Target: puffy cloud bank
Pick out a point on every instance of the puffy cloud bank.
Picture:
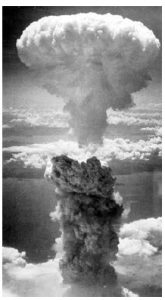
(21, 278)
(142, 237)
(36, 155)
(139, 263)
(92, 61)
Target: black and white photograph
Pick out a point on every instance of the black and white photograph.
(81, 151)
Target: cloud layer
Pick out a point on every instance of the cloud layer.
(36, 155)
(35, 118)
(49, 118)
(133, 117)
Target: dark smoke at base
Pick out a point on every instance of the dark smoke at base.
(88, 215)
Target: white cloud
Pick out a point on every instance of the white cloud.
(157, 131)
(58, 119)
(126, 211)
(142, 237)
(139, 261)
(49, 118)
(118, 198)
(134, 117)
(34, 160)
(6, 126)
(121, 149)
(35, 155)
(27, 279)
(12, 255)
(128, 293)
(136, 246)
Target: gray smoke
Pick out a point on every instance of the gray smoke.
(88, 214)
(92, 61)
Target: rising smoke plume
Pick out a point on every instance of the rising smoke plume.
(92, 61)
(88, 213)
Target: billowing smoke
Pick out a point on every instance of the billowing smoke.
(88, 211)
(92, 61)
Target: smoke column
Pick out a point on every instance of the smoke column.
(87, 212)
(92, 61)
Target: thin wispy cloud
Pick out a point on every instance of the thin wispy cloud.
(36, 118)
(129, 118)
(50, 118)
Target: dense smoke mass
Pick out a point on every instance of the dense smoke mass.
(92, 61)
(88, 214)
